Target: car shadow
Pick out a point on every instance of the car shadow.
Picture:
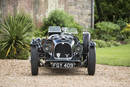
(59, 72)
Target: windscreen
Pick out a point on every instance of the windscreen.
(70, 30)
(54, 29)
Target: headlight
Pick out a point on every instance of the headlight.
(78, 49)
(47, 49)
(48, 46)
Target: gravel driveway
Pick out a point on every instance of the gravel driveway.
(16, 73)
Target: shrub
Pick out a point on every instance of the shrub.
(114, 43)
(121, 23)
(127, 41)
(105, 31)
(126, 31)
(15, 36)
(38, 33)
(108, 44)
(58, 18)
(62, 19)
(102, 44)
(107, 26)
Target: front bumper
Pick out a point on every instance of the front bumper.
(60, 60)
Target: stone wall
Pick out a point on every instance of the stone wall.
(38, 9)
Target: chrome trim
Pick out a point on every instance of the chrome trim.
(69, 58)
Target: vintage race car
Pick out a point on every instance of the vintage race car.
(61, 49)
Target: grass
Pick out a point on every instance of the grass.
(117, 56)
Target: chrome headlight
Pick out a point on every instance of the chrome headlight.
(78, 49)
(48, 46)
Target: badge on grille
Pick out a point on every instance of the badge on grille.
(58, 55)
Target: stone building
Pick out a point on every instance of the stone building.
(82, 10)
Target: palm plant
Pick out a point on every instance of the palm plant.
(15, 33)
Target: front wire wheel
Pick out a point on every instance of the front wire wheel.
(34, 61)
(91, 61)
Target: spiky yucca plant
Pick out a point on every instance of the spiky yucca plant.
(15, 32)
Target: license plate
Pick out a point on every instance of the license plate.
(63, 65)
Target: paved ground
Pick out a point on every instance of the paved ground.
(16, 73)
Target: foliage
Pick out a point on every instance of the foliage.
(107, 26)
(127, 41)
(126, 31)
(105, 31)
(100, 43)
(62, 19)
(121, 23)
(103, 44)
(116, 56)
(107, 10)
(38, 33)
(15, 35)
(114, 43)
(58, 18)
(21, 54)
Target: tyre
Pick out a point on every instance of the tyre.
(91, 61)
(86, 41)
(34, 61)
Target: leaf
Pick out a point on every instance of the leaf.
(8, 51)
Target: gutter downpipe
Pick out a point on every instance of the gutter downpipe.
(92, 14)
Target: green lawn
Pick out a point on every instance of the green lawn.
(119, 56)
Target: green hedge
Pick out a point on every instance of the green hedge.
(103, 44)
(105, 31)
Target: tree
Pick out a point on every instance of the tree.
(112, 10)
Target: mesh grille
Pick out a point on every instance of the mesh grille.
(64, 50)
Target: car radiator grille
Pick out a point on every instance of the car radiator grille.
(63, 51)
